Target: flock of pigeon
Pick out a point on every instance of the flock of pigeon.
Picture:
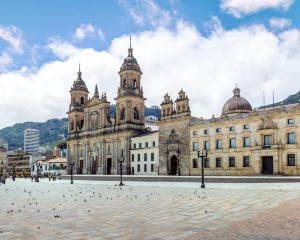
(43, 199)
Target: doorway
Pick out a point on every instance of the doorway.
(267, 165)
(94, 166)
(174, 165)
(80, 167)
(108, 166)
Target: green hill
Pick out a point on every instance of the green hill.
(51, 131)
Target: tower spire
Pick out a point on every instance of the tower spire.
(130, 48)
(79, 72)
(96, 94)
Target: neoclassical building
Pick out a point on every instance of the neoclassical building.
(242, 141)
(95, 141)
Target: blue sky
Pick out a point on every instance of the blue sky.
(41, 20)
(219, 43)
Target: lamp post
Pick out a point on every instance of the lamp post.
(14, 172)
(202, 154)
(121, 160)
(72, 164)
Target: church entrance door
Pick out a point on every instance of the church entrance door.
(94, 166)
(108, 166)
(174, 165)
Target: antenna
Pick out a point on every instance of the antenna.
(264, 102)
(273, 101)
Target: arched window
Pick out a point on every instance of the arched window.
(81, 123)
(124, 83)
(178, 108)
(136, 113)
(122, 117)
(134, 83)
(82, 100)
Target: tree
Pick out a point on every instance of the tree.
(62, 145)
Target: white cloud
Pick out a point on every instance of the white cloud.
(148, 11)
(206, 67)
(62, 49)
(13, 36)
(279, 23)
(239, 8)
(87, 30)
(5, 61)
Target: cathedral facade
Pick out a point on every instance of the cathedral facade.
(96, 142)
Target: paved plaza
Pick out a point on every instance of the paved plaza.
(148, 210)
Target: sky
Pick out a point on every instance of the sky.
(204, 47)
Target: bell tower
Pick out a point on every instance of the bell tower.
(130, 101)
(79, 97)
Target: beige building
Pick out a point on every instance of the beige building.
(242, 141)
(3, 161)
(95, 141)
(145, 154)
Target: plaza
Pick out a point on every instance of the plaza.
(148, 210)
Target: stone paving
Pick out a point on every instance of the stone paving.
(100, 210)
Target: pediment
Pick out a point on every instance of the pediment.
(92, 102)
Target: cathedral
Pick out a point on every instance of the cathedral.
(96, 142)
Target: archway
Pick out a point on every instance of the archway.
(174, 164)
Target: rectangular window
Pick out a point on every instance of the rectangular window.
(195, 133)
(195, 146)
(205, 131)
(291, 138)
(195, 163)
(246, 127)
(231, 129)
(231, 162)
(246, 142)
(291, 160)
(140, 145)
(153, 144)
(218, 130)
(146, 144)
(290, 121)
(152, 167)
(206, 145)
(232, 143)
(267, 141)
(152, 156)
(134, 145)
(145, 156)
(145, 167)
(218, 162)
(138, 168)
(132, 157)
(218, 144)
(139, 157)
(246, 161)
(206, 162)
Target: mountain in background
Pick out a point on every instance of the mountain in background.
(51, 131)
(290, 100)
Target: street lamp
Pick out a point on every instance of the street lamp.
(72, 164)
(203, 155)
(14, 172)
(121, 160)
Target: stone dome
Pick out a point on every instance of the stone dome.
(79, 84)
(236, 104)
(130, 62)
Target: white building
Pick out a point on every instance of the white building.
(144, 154)
(31, 140)
(58, 166)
